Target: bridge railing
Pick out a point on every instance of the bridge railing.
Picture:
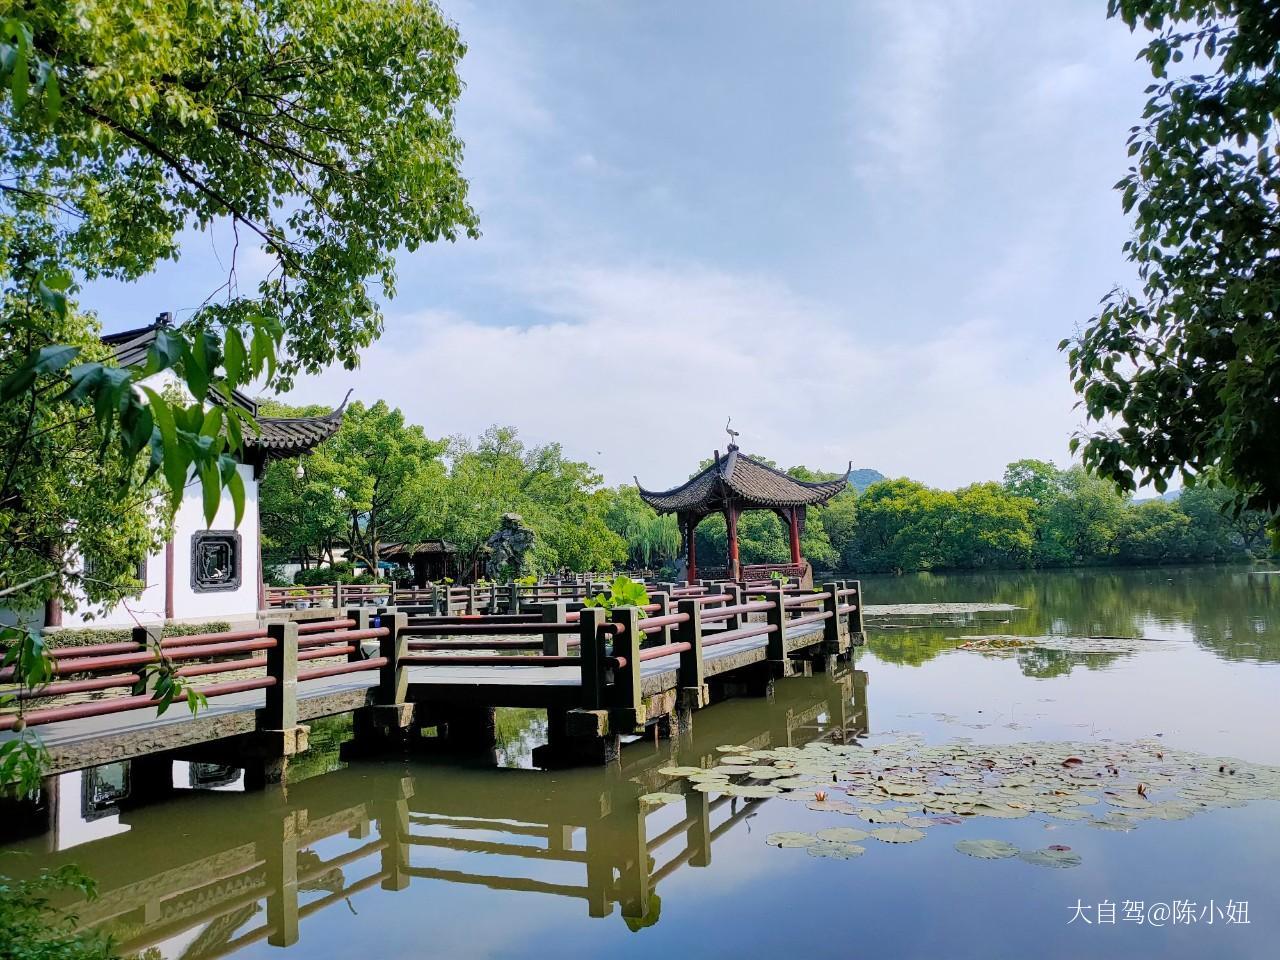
(272, 658)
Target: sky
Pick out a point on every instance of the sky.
(857, 227)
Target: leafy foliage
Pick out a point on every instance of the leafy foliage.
(32, 929)
(1189, 367)
(623, 592)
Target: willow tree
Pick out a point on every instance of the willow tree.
(1182, 376)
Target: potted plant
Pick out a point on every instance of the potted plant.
(299, 599)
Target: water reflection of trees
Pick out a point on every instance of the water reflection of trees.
(1229, 611)
(254, 867)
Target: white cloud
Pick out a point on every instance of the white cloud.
(636, 368)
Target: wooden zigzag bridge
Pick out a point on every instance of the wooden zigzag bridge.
(411, 673)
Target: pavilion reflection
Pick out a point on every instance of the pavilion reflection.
(207, 873)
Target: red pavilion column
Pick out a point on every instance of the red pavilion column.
(692, 548)
(731, 519)
(795, 537)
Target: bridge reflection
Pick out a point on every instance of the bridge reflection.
(207, 873)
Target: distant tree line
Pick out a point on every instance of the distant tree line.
(381, 480)
(1037, 516)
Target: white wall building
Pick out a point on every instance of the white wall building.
(204, 572)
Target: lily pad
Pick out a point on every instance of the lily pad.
(1058, 859)
(836, 851)
(987, 849)
(842, 834)
(657, 799)
(898, 834)
(791, 838)
(680, 771)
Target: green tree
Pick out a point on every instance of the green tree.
(988, 527)
(1081, 524)
(323, 129)
(652, 539)
(1189, 366)
(1152, 532)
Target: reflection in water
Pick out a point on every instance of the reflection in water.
(1225, 610)
(207, 873)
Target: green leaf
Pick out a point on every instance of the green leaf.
(20, 78)
(211, 489)
(235, 357)
(52, 97)
(48, 359)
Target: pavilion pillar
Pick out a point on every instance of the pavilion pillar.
(692, 551)
(731, 520)
(795, 536)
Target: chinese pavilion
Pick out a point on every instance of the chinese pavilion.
(732, 484)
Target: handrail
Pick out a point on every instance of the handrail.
(726, 613)
(99, 708)
(743, 633)
(811, 618)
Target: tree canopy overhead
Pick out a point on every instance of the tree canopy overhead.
(1190, 364)
(322, 130)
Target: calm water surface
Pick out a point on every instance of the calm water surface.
(432, 857)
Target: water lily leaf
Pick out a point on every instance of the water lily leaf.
(739, 761)
(836, 851)
(898, 834)
(832, 806)
(680, 771)
(882, 816)
(791, 839)
(842, 834)
(987, 849)
(657, 799)
(1059, 859)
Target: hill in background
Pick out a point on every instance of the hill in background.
(864, 477)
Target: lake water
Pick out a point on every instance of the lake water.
(436, 857)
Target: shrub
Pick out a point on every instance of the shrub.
(90, 636)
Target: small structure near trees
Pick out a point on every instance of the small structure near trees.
(735, 483)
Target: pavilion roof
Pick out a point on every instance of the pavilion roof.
(736, 477)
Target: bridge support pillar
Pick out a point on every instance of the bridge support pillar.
(265, 757)
(282, 873)
(577, 738)
(150, 779)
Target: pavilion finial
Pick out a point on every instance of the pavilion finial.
(733, 434)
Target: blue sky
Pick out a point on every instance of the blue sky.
(860, 228)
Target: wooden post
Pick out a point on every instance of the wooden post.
(393, 678)
(692, 552)
(857, 627)
(777, 650)
(591, 652)
(795, 537)
(471, 598)
(281, 710)
(493, 598)
(664, 607)
(734, 591)
(693, 681)
(731, 522)
(627, 677)
(555, 644)
(831, 631)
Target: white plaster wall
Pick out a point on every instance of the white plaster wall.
(189, 605)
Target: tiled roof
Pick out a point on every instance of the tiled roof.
(130, 349)
(735, 476)
(279, 437)
(283, 437)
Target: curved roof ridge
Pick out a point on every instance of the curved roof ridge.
(755, 484)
